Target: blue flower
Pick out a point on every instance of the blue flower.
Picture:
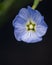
(29, 26)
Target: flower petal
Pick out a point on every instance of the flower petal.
(41, 30)
(19, 32)
(23, 13)
(18, 21)
(30, 37)
(35, 15)
(43, 23)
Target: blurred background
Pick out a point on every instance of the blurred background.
(19, 53)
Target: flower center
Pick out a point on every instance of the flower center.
(31, 26)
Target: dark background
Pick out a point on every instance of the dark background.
(19, 53)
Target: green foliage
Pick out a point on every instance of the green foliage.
(10, 7)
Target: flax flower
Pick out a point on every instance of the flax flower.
(29, 25)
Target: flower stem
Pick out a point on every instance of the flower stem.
(35, 4)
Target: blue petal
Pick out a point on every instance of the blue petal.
(35, 15)
(30, 37)
(43, 23)
(41, 30)
(18, 21)
(18, 33)
(23, 13)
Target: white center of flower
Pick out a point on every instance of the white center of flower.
(31, 26)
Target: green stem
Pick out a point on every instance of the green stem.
(35, 4)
